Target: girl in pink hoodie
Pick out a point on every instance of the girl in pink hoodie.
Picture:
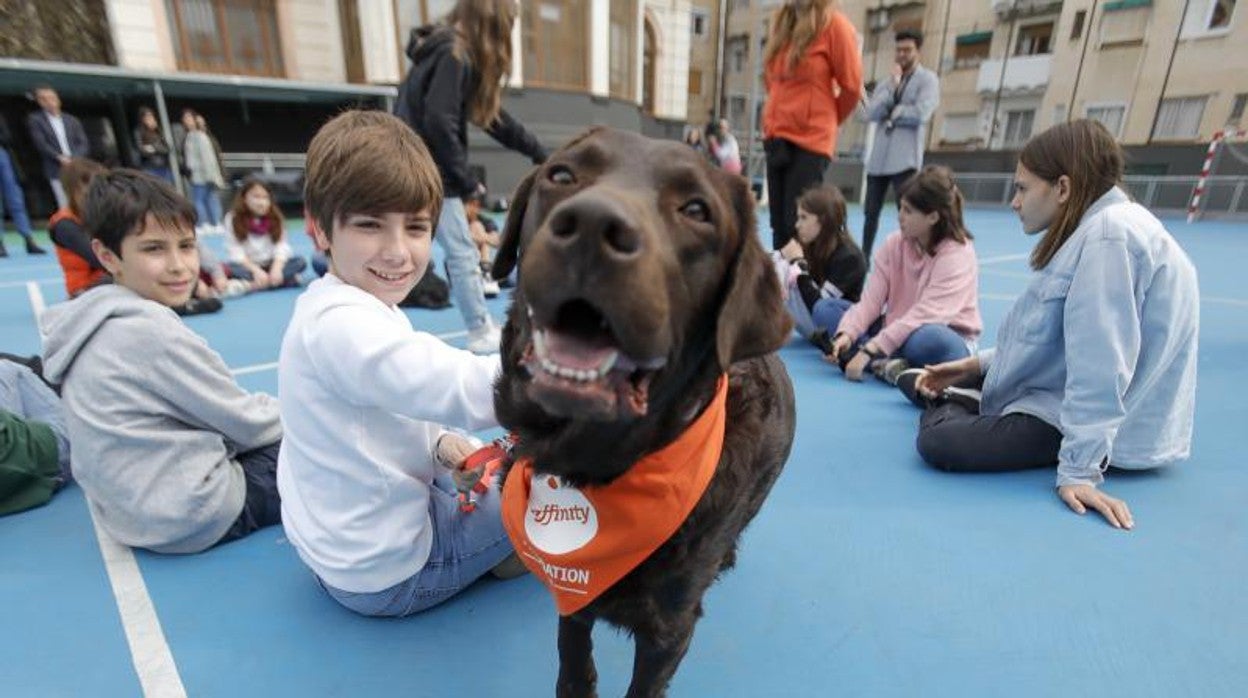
(921, 302)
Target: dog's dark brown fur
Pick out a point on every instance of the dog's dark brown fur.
(663, 248)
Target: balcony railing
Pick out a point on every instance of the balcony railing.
(1022, 74)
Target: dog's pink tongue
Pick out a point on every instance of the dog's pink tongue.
(574, 352)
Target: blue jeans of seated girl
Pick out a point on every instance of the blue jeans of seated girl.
(290, 272)
(466, 545)
(927, 345)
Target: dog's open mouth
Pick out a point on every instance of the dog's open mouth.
(580, 371)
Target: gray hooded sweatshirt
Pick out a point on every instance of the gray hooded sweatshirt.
(155, 419)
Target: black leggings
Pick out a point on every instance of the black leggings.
(954, 439)
(790, 172)
(877, 188)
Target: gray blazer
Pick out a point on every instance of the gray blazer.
(900, 147)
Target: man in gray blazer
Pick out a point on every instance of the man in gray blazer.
(900, 107)
(58, 137)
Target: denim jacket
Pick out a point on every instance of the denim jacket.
(1102, 345)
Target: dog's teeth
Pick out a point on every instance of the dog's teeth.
(539, 344)
(608, 363)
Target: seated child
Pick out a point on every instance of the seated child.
(34, 447)
(365, 467)
(73, 246)
(172, 454)
(255, 240)
(821, 266)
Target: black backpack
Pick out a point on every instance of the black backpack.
(431, 292)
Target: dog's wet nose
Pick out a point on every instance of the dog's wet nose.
(596, 221)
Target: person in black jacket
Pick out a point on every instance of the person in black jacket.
(152, 146)
(457, 71)
(58, 136)
(821, 264)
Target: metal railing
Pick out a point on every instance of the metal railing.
(1225, 195)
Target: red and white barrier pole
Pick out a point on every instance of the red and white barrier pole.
(1193, 209)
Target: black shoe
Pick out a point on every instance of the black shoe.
(907, 383)
(968, 398)
(32, 248)
(199, 306)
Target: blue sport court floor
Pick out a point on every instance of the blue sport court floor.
(866, 574)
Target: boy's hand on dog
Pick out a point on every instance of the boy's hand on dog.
(452, 451)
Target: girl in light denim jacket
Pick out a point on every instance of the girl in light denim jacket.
(1096, 363)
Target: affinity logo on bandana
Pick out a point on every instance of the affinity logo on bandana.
(559, 519)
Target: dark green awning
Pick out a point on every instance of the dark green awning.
(974, 38)
(1126, 4)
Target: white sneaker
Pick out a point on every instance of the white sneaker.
(485, 339)
(490, 286)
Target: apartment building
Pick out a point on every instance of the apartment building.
(1158, 73)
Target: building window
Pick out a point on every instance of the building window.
(226, 36)
(970, 50)
(698, 23)
(1124, 27)
(1220, 15)
(1076, 29)
(1237, 109)
(738, 50)
(1034, 39)
(695, 83)
(1110, 116)
(623, 48)
(960, 128)
(555, 49)
(1179, 118)
(1018, 126)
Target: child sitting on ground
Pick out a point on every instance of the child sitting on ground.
(34, 447)
(255, 240)
(73, 246)
(365, 468)
(172, 454)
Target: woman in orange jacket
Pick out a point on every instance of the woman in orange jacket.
(814, 81)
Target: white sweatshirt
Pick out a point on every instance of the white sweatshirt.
(363, 397)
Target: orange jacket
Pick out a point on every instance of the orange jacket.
(807, 105)
(79, 276)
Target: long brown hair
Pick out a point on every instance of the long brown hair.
(794, 26)
(483, 40)
(934, 189)
(1084, 151)
(827, 205)
(242, 213)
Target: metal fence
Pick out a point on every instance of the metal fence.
(1226, 196)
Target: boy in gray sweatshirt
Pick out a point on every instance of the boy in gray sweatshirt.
(172, 454)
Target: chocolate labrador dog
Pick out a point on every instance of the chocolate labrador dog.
(641, 284)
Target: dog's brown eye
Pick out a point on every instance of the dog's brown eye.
(696, 210)
(561, 175)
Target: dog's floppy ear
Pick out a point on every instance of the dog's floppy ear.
(509, 250)
(752, 320)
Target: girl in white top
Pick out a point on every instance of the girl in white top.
(255, 240)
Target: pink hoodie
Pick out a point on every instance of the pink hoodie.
(912, 288)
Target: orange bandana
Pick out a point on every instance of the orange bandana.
(580, 542)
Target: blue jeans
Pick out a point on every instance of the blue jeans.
(162, 172)
(462, 263)
(465, 547)
(207, 203)
(11, 196)
(290, 271)
(262, 505)
(927, 345)
(22, 393)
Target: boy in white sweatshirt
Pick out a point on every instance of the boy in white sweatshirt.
(364, 470)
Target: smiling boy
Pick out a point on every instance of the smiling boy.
(364, 397)
(172, 454)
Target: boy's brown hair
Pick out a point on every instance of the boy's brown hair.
(368, 162)
(119, 201)
(76, 176)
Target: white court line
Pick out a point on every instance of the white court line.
(260, 368)
(153, 661)
(26, 282)
(1003, 258)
